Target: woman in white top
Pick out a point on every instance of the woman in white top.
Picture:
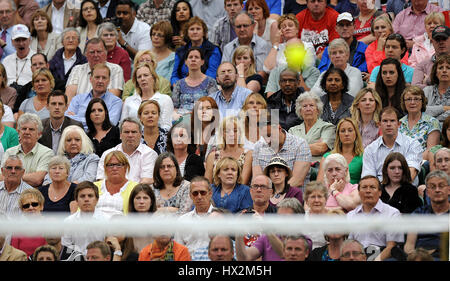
(265, 26)
(146, 84)
(249, 115)
(43, 40)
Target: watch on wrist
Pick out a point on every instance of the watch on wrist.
(118, 253)
(241, 76)
(125, 45)
(276, 47)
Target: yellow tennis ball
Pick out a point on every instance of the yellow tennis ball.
(295, 56)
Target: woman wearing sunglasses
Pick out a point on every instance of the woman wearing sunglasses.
(31, 203)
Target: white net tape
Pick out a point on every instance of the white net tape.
(133, 225)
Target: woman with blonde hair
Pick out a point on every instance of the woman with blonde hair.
(253, 106)
(146, 56)
(228, 191)
(365, 111)
(145, 81)
(230, 143)
(348, 143)
(244, 60)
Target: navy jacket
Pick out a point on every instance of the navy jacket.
(286, 119)
(57, 64)
(357, 57)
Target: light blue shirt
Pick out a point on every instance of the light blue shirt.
(234, 105)
(103, 10)
(408, 72)
(80, 102)
(376, 152)
(9, 48)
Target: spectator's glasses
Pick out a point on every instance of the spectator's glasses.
(33, 204)
(112, 165)
(243, 26)
(410, 100)
(10, 168)
(256, 186)
(201, 192)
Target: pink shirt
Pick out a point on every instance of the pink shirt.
(348, 188)
(410, 25)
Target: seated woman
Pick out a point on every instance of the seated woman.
(279, 173)
(89, 20)
(395, 48)
(437, 94)
(78, 148)
(59, 194)
(145, 81)
(253, 105)
(180, 15)
(161, 36)
(146, 56)
(339, 53)
(365, 110)
(204, 123)
(343, 195)
(171, 190)
(337, 100)
(315, 198)
(319, 134)
(31, 203)
(390, 84)
(153, 135)
(244, 60)
(195, 85)
(115, 189)
(101, 132)
(416, 123)
(43, 40)
(230, 143)
(9, 136)
(380, 28)
(265, 27)
(349, 144)
(179, 142)
(8, 95)
(397, 188)
(228, 192)
(423, 48)
(107, 31)
(196, 35)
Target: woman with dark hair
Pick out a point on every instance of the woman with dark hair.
(195, 85)
(395, 48)
(8, 94)
(266, 27)
(102, 133)
(43, 40)
(279, 173)
(90, 19)
(203, 124)
(396, 186)
(161, 36)
(390, 83)
(179, 142)
(438, 93)
(123, 244)
(337, 101)
(181, 13)
(196, 35)
(171, 190)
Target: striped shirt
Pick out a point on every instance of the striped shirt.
(9, 201)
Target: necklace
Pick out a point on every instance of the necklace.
(56, 196)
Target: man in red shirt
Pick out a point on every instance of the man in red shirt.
(317, 25)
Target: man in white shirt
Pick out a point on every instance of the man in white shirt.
(18, 64)
(200, 193)
(134, 34)
(86, 196)
(63, 14)
(141, 157)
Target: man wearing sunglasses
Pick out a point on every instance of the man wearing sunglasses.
(12, 185)
(200, 192)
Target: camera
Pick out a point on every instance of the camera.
(114, 20)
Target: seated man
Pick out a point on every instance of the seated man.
(352, 250)
(437, 189)
(377, 244)
(221, 248)
(223, 30)
(295, 248)
(278, 142)
(98, 251)
(261, 191)
(284, 99)
(35, 155)
(99, 79)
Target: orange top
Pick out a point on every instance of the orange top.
(181, 253)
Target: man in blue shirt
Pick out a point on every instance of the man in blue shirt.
(231, 98)
(100, 80)
(7, 12)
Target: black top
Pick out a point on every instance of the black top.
(161, 141)
(194, 167)
(258, 78)
(292, 7)
(405, 198)
(111, 139)
(59, 206)
(287, 116)
(320, 254)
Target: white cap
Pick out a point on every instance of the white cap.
(20, 31)
(345, 16)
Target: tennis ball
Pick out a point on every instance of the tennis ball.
(295, 56)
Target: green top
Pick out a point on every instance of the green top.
(354, 168)
(9, 138)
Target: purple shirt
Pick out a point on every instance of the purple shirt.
(411, 25)
(374, 237)
(265, 249)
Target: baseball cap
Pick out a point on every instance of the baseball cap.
(20, 31)
(441, 30)
(344, 16)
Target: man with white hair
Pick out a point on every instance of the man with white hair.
(35, 155)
